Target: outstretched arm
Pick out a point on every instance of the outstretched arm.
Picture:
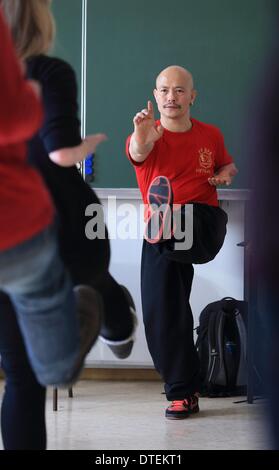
(71, 155)
(146, 133)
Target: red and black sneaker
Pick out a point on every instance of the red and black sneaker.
(181, 409)
(159, 198)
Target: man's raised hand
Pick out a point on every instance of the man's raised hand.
(145, 129)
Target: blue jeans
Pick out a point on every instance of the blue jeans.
(33, 275)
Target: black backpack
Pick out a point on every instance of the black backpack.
(222, 347)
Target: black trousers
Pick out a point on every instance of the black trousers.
(23, 406)
(166, 282)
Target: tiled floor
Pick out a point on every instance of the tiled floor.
(130, 415)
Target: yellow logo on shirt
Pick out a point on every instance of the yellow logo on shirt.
(205, 158)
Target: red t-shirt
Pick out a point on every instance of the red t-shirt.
(188, 159)
(25, 205)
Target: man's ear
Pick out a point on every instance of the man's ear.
(155, 91)
(194, 95)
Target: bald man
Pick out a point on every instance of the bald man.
(179, 162)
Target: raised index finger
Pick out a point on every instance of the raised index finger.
(150, 108)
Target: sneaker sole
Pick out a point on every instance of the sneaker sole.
(177, 417)
(159, 195)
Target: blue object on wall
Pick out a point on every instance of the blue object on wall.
(89, 168)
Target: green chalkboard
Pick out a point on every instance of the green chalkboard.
(68, 18)
(222, 42)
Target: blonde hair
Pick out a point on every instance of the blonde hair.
(32, 25)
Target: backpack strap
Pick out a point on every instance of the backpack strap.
(216, 374)
(212, 347)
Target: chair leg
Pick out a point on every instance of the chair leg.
(54, 399)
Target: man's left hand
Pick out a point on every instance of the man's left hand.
(218, 180)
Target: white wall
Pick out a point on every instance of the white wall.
(221, 277)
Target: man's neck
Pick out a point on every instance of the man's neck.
(173, 125)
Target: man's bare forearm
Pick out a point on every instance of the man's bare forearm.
(139, 152)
